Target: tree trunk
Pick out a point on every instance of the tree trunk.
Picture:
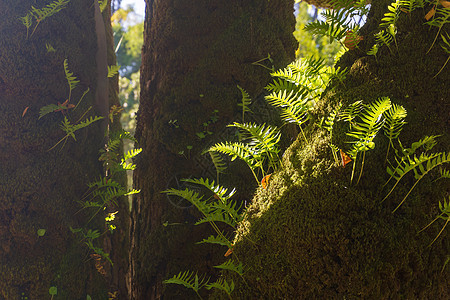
(194, 55)
(319, 236)
(40, 188)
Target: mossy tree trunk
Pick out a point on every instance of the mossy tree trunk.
(320, 236)
(194, 56)
(40, 187)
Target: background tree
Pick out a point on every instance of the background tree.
(40, 188)
(194, 55)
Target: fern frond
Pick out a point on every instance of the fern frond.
(352, 111)
(370, 123)
(219, 240)
(72, 80)
(391, 17)
(446, 47)
(218, 162)
(189, 280)
(113, 70)
(27, 21)
(193, 197)
(284, 85)
(45, 110)
(245, 102)
(131, 154)
(49, 10)
(231, 266)
(335, 26)
(420, 166)
(441, 17)
(223, 285)
(384, 38)
(409, 5)
(102, 4)
(395, 119)
(445, 215)
(250, 155)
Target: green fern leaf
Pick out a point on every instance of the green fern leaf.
(352, 111)
(102, 4)
(189, 280)
(391, 17)
(72, 80)
(370, 123)
(245, 102)
(231, 266)
(219, 240)
(395, 119)
(218, 162)
(113, 70)
(223, 285)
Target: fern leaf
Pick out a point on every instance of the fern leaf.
(219, 240)
(231, 266)
(51, 108)
(113, 70)
(391, 17)
(49, 10)
(245, 102)
(384, 38)
(249, 155)
(27, 21)
(395, 119)
(352, 111)
(102, 4)
(131, 154)
(218, 162)
(193, 197)
(223, 285)
(72, 80)
(189, 280)
(370, 123)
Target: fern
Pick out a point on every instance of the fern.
(420, 166)
(329, 123)
(219, 240)
(446, 47)
(245, 102)
(27, 21)
(441, 17)
(395, 119)
(352, 111)
(444, 215)
(223, 285)
(409, 5)
(72, 80)
(384, 38)
(47, 11)
(374, 50)
(231, 266)
(264, 138)
(218, 162)
(244, 152)
(113, 70)
(367, 128)
(45, 110)
(189, 280)
(391, 17)
(102, 4)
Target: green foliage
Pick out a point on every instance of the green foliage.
(394, 121)
(444, 215)
(189, 280)
(245, 102)
(218, 162)
(339, 22)
(440, 18)
(71, 80)
(102, 4)
(259, 152)
(311, 45)
(446, 47)
(217, 208)
(113, 70)
(420, 165)
(41, 14)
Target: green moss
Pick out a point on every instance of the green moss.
(320, 237)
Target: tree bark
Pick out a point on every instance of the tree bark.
(319, 236)
(194, 55)
(40, 188)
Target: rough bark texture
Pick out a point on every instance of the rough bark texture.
(39, 189)
(320, 237)
(195, 54)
